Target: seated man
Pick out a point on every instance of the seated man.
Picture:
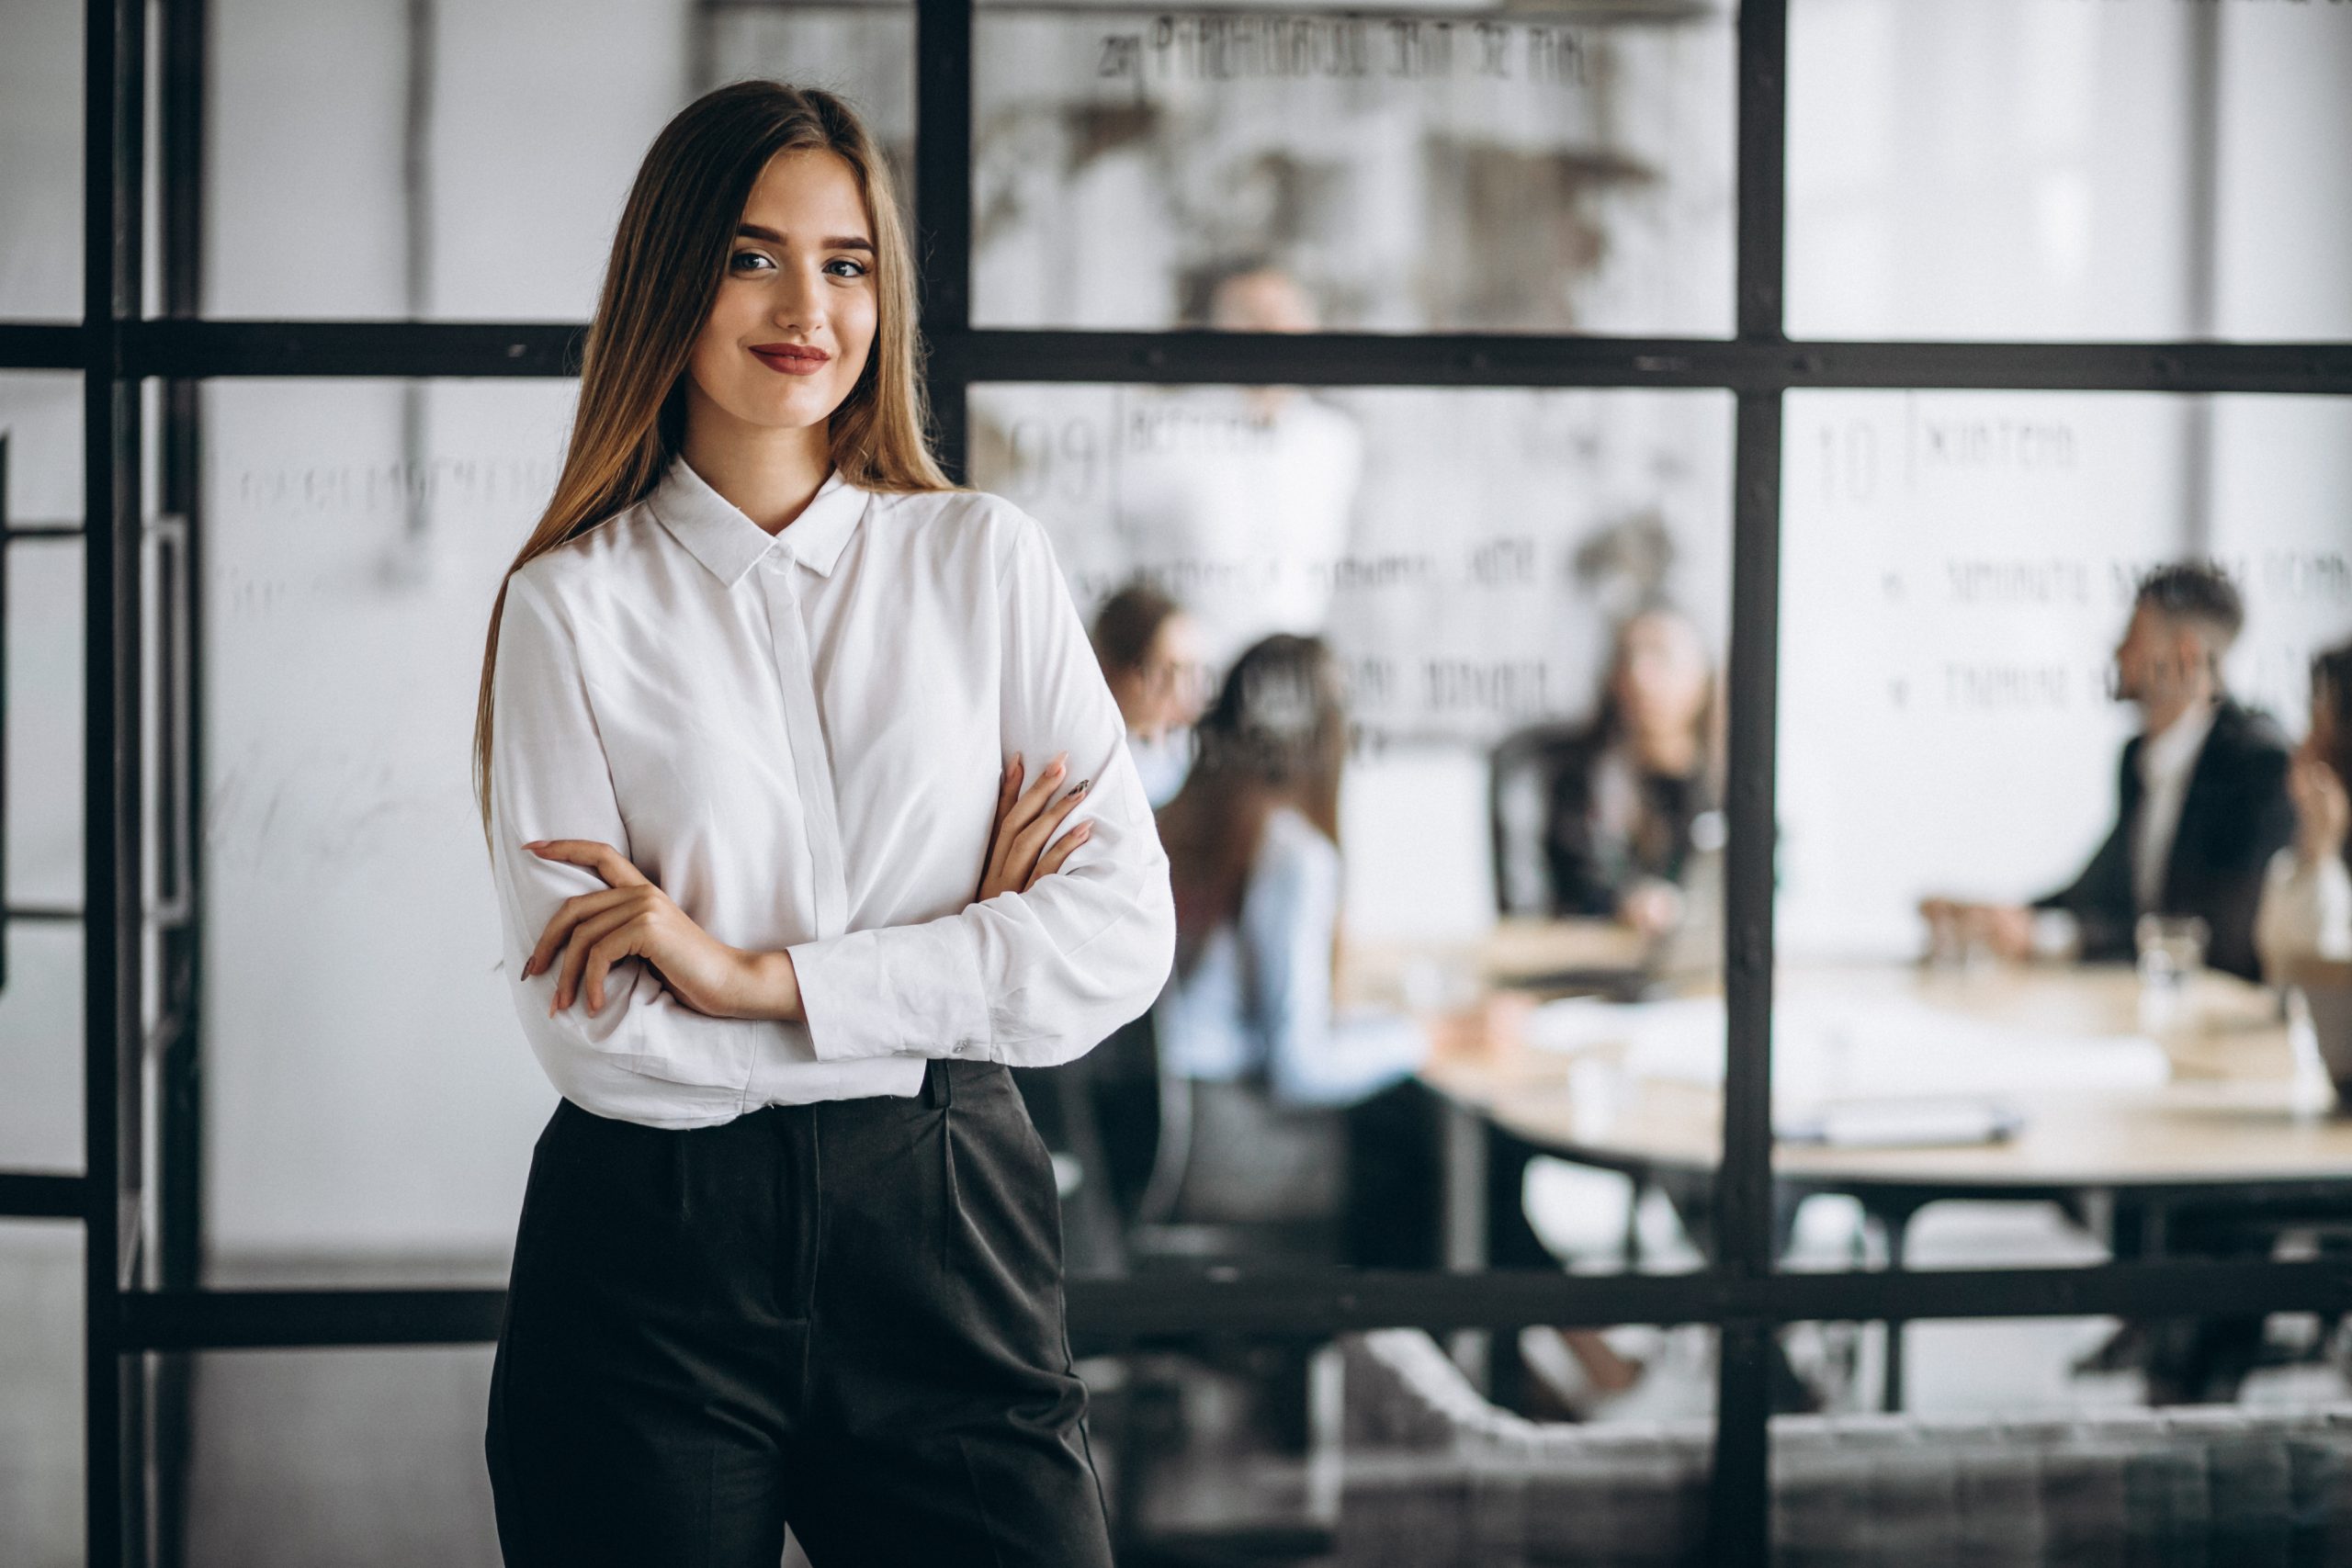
(2202, 798)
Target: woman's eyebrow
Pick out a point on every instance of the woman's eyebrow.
(837, 242)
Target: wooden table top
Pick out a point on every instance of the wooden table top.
(2230, 1113)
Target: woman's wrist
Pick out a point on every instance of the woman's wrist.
(771, 987)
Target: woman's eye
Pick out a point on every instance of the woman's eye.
(856, 268)
(737, 262)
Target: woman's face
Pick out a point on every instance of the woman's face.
(1661, 673)
(793, 324)
(1165, 692)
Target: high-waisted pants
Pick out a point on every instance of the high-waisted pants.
(845, 1316)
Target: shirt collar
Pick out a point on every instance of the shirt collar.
(718, 534)
(2174, 751)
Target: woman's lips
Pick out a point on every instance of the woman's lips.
(792, 359)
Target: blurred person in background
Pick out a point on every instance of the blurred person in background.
(2202, 797)
(2307, 892)
(1150, 653)
(1252, 840)
(1632, 796)
(1250, 1014)
(1238, 500)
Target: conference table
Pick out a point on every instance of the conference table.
(2126, 1114)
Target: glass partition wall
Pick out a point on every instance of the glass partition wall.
(1546, 298)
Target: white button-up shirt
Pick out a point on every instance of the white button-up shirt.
(2166, 761)
(798, 738)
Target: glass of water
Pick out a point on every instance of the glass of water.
(2172, 951)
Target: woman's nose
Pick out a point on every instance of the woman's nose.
(796, 302)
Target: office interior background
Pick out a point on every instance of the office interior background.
(1509, 247)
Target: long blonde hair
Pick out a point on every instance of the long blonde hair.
(668, 254)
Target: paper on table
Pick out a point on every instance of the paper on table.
(1901, 1123)
(1827, 1051)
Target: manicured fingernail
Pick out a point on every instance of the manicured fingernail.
(1081, 786)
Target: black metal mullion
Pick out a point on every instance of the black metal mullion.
(943, 214)
(41, 345)
(190, 349)
(114, 98)
(1178, 1309)
(41, 1195)
(1739, 1494)
(7, 537)
(179, 1099)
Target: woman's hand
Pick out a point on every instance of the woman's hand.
(2321, 812)
(1493, 1030)
(1018, 856)
(1652, 906)
(632, 917)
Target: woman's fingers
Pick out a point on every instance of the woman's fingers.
(1030, 844)
(1009, 864)
(603, 859)
(568, 914)
(572, 968)
(1058, 853)
(1008, 790)
(615, 944)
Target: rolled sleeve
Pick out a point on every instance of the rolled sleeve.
(644, 1056)
(1035, 977)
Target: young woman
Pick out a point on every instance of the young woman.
(1250, 1016)
(2306, 910)
(780, 910)
(1628, 792)
(1150, 653)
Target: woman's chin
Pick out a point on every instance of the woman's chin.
(802, 408)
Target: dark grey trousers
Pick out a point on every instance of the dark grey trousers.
(846, 1316)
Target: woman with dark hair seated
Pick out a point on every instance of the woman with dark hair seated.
(1248, 1018)
(1633, 796)
(1303, 1109)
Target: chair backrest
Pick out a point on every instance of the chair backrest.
(1519, 796)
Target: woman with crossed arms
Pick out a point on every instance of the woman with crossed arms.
(774, 728)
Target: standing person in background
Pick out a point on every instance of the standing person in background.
(1631, 795)
(1151, 654)
(1238, 500)
(2201, 797)
(2307, 892)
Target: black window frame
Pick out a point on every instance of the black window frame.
(145, 1309)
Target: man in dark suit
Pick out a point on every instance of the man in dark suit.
(2202, 803)
(2202, 793)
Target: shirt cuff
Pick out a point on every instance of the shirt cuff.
(895, 991)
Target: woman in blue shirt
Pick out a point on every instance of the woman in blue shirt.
(1254, 842)
(1248, 1015)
